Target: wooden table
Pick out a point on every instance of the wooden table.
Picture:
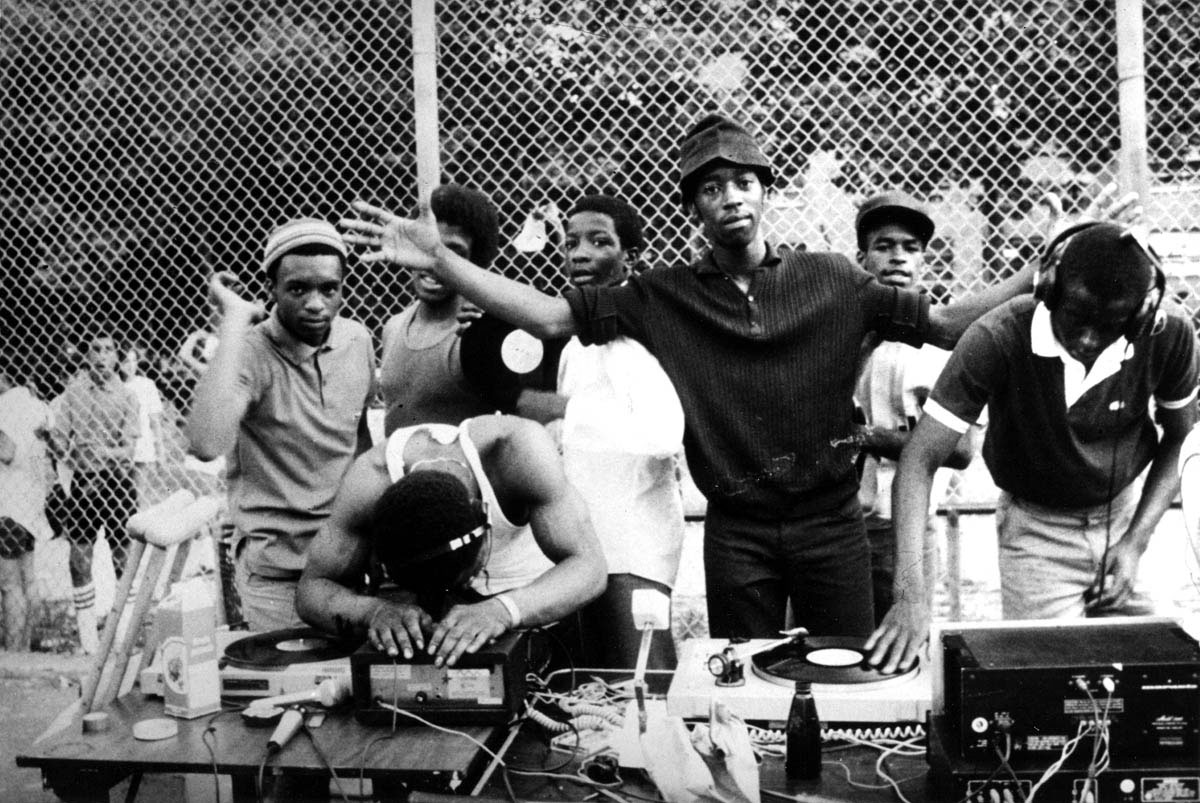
(83, 767)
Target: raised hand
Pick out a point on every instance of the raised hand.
(394, 240)
(223, 290)
(1105, 207)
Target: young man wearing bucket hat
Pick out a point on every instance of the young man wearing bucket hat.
(762, 347)
(284, 397)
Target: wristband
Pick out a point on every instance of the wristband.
(510, 605)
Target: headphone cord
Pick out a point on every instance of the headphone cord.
(1112, 481)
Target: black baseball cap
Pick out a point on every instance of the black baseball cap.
(893, 207)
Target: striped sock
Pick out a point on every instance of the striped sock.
(85, 617)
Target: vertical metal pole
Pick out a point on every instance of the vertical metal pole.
(425, 98)
(1131, 88)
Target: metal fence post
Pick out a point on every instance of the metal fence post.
(425, 96)
(1131, 95)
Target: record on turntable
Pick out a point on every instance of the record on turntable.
(833, 661)
(281, 648)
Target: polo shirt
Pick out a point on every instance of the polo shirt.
(297, 437)
(1057, 436)
(766, 378)
(96, 416)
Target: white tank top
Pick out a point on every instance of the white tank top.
(514, 559)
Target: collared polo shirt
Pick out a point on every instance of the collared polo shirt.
(96, 416)
(766, 378)
(1059, 436)
(297, 437)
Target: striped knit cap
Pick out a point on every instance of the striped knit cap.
(300, 232)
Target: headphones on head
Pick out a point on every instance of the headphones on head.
(1147, 319)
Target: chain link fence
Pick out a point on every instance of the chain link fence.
(147, 143)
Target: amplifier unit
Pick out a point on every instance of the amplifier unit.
(954, 778)
(1032, 689)
(482, 688)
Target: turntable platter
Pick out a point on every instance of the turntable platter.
(832, 661)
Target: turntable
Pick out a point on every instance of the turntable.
(282, 662)
(845, 688)
(256, 665)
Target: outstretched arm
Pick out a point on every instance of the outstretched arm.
(327, 597)
(416, 244)
(218, 405)
(897, 641)
(1162, 483)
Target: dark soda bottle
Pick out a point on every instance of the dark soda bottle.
(803, 759)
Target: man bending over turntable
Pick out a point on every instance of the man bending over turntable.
(468, 531)
(1067, 376)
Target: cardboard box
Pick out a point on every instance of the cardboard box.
(191, 680)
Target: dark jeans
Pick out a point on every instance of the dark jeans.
(883, 568)
(100, 499)
(611, 640)
(821, 562)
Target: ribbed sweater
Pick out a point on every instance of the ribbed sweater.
(766, 377)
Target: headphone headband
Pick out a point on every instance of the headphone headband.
(1047, 285)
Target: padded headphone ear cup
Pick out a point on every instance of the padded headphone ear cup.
(1046, 288)
(1146, 319)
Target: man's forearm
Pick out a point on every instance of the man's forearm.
(947, 322)
(330, 606)
(1162, 483)
(542, 315)
(563, 589)
(211, 431)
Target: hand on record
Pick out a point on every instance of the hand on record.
(466, 628)
(411, 243)
(896, 643)
(224, 291)
(398, 628)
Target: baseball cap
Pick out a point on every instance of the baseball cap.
(719, 139)
(300, 232)
(893, 206)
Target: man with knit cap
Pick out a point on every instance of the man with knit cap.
(762, 347)
(285, 398)
(1067, 376)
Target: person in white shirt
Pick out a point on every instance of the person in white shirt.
(24, 481)
(148, 448)
(622, 435)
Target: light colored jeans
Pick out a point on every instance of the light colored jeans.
(267, 603)
(1049, 557)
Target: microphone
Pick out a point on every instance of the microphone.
(289, 723)
(329, 692)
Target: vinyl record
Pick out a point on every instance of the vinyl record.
(823, 661)
(498, 360)
(301, 645)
